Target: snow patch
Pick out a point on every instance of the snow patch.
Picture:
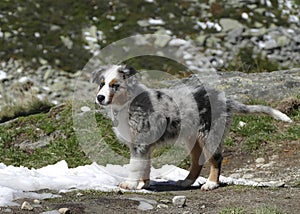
(21, 182)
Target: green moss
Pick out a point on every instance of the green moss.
(62, 146)
(11, 111)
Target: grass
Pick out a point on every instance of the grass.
(62, 144)
(261, 131)
(249, 62)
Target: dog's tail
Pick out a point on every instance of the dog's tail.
(238, 107)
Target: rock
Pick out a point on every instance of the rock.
(162, 41)
(164, 201)
(64, 210)
(177, 42)
(85, 108)
(229, 24)
(7, 210)
(162, 206)
(143, 23)
(260, 160)
(241, 124)
(282, 41)
(145, 204)
(179, 201)
(271, 44)
(248, 176)
(26, 206)
(234, 35)
(235, 175)
(51, 212)
(3, 75)
(36, 201)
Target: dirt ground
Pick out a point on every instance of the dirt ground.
(226, 199)
(231, 199)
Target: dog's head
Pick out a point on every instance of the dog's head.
(113, 84)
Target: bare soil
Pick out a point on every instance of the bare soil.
(226, 199)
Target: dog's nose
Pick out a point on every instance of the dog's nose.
(100, 98)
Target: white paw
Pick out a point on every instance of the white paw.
(132, 185)
(209, 185)
(184, 183)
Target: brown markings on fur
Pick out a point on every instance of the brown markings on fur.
(215, 170)
(120, 98)
(195, 168)
(112, 82)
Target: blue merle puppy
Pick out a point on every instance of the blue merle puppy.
(145, 118)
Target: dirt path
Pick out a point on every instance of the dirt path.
(230, 199)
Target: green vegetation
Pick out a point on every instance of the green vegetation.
(260, 130)
(247, 61)
(54, 127)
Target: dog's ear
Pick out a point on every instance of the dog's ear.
(127, 71)
(96, 76)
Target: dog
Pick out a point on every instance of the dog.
(145, 118)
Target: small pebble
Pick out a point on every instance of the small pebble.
(179, 201)
(241, 124)
(85, 108)
(36, 201)
(162, 206)
(64, 210)
(165, 201)
(26, 206)
(260, 160)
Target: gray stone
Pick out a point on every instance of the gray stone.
(162, 41)
(282, 41)
(179, 201)
(145, 204)
(162, 206)
(229, 24)
(64, 210)
(201, 39)
(260, 160)
(3, 75)
(235, 34)
(51, 212)
(248, 176)
(26, 206)
(143, 23)
(270, 45)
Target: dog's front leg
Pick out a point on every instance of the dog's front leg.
(139, 168)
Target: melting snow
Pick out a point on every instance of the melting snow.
(21, 182)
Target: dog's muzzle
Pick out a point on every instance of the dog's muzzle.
(100, 99)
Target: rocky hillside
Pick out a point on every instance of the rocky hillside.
(250, 35)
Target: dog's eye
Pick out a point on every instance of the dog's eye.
(115, 86)
(102, 84)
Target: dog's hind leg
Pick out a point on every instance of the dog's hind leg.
(195, 168)
(215, 170)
